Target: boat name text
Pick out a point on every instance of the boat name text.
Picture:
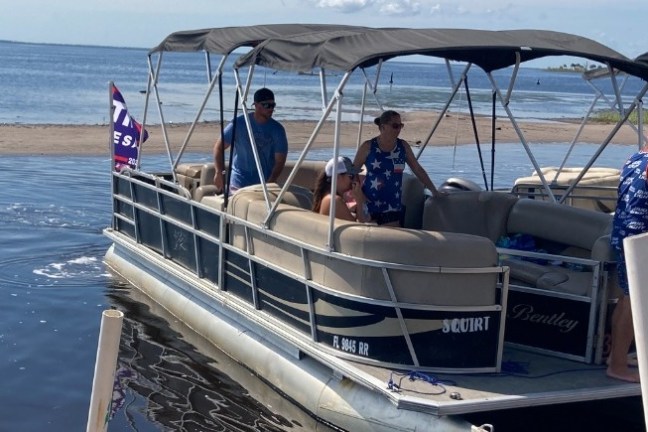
(351, 345)
(466, 325)
(525, 312)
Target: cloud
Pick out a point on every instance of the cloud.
(399, 7)
(346, 6)
(384, 7)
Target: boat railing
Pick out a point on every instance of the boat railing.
(574, 289)
(600, 198)
(265, 268)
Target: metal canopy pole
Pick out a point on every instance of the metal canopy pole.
(631, 108)
(153, 76)
(520, 135)
(217, 79)
(336, 151)
(257, 161)
(309, 143)
(474, 125)
(453, 93)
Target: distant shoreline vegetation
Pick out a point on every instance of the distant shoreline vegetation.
(574, 67)
(610, 117)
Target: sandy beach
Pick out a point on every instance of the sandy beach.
(454, 129)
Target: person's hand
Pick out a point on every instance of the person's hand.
(356, 190)
(218, 181)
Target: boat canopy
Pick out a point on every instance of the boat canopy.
(224, 40)
(490, 50)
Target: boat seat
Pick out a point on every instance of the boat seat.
(296, 196)
(383, 244)
(307, 174)
(597, 190)
(413, 200)
(473, 212)
(556, 229)
(188, 175)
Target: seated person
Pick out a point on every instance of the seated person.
(346, 181)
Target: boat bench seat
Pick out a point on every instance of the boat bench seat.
(198, 178)
(556, 229)
(597, 190)
(307, 174)
(556, 303)
(370, 242)
(188, 175)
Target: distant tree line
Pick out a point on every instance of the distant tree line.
(574, 67)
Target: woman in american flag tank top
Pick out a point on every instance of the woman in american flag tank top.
(384, 157)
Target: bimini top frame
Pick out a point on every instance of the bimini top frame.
(489, 50)
(304, 48)
(222, 42)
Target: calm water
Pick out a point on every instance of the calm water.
(53, 286)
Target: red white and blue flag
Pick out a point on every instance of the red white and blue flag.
(127, 133)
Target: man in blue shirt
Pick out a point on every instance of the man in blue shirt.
(269, 138)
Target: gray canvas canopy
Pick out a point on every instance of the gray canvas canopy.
(226, 39)
(490, 50)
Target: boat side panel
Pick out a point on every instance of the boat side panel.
(441, 339)
(283, 297)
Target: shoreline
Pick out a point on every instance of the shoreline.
(454, 129)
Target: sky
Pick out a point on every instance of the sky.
(621, 25)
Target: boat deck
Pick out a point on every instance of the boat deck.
(527, 379)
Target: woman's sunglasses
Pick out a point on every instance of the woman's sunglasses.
(397, 126)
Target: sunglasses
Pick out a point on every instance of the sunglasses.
(397, 126)
(268, 105)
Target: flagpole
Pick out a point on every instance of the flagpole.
(111, 139)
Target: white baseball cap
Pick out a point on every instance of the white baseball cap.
(344, 165)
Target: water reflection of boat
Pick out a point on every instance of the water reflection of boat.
(180, 381)
(367, 327)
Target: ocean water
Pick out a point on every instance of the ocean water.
(65, 84)
(54, 287)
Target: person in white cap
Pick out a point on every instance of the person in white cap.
(346, 181)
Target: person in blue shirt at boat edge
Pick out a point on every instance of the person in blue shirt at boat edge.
(384, 158)
(271, 143)
(630, 218)
(347, 181)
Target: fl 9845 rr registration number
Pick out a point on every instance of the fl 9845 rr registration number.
(350, 345)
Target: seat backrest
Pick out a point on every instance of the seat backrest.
(559, 223)
(295, 196)
(188, 174)
(481, 213)
(413, 200)
(307, 174)
(395, 245)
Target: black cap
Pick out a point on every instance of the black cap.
(263, 94)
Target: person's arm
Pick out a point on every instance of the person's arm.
(219, 153)
(280, 161)
(361, 155)
(359, 197)
(418, 170)
(219, 158)
(280, 153)
(341, 210)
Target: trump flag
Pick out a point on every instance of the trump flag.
(127, 133)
